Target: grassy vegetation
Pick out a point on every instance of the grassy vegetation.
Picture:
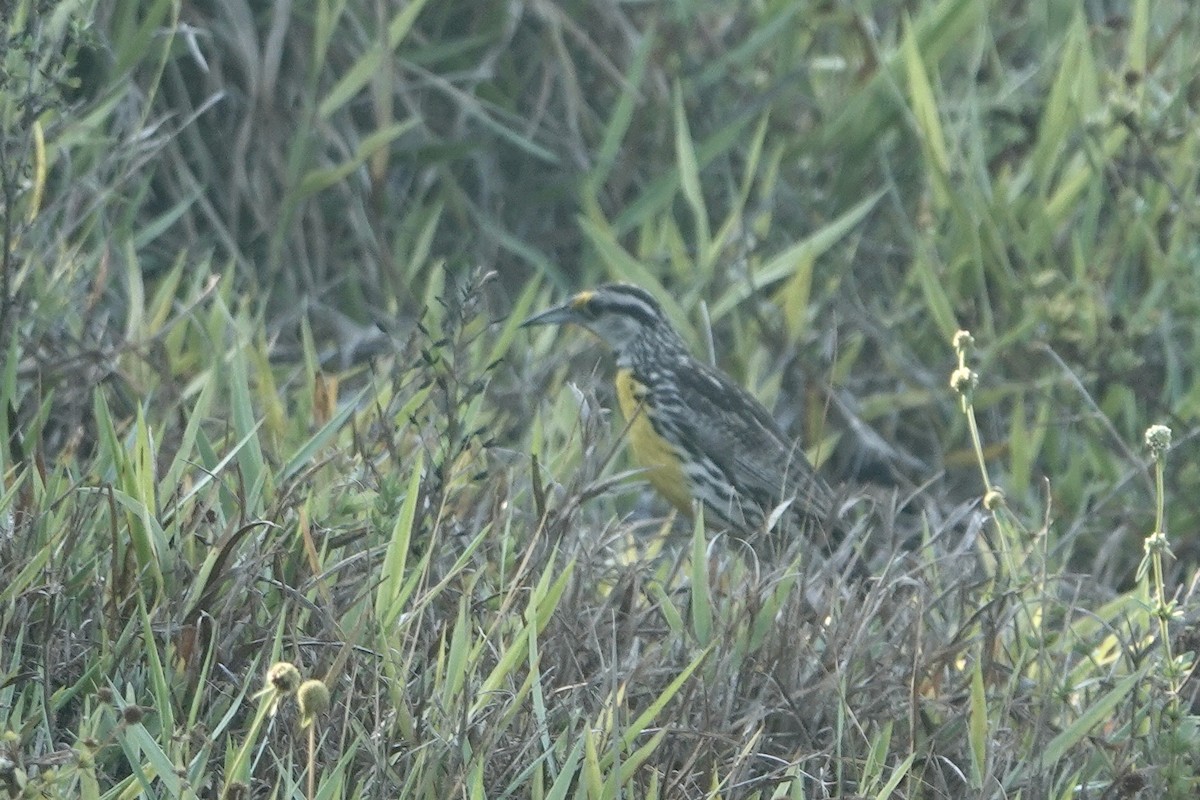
(264, 400)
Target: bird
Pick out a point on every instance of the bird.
(702, 439)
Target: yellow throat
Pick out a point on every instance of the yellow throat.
(651, 451)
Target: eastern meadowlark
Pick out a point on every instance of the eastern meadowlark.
(699, 436)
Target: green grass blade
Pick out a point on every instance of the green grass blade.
(392, 577)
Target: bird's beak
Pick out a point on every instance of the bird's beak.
(554, 316)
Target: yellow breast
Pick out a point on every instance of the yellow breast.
(651, 451)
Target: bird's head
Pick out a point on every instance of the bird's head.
(620, 314)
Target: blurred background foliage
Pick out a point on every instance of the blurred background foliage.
(841, 184)
(230, 228)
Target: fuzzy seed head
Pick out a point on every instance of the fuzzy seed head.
(1158, 439)
(1157, 544)
(963, 380)
(313, 698)
(236, 790)
(283, 677)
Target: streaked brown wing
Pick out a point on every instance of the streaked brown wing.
(749, 445)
